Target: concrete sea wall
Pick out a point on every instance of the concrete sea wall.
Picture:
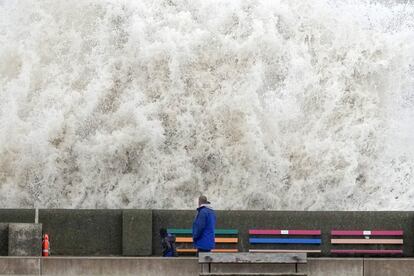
(134, 232)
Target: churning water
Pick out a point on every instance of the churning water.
(278, 104)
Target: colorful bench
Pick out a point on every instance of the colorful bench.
(287, 241)
(375, 242)
(224, 238)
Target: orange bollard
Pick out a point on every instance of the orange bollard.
(45, 245)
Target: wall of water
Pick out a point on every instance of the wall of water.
(278, 104)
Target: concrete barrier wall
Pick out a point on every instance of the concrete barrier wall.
(83, 232)
(20, 266)
(12, 216)
(156, 266)
(120, 266)
(17, 215)
(335, 266)
(389, 267)
(136, 232)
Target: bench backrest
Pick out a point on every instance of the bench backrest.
(370, 242)
(275, 240)
(226, 240)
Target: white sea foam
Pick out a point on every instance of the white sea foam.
(279, 104)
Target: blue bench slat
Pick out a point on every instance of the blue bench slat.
(284, 240)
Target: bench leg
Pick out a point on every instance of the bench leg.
(205, 268)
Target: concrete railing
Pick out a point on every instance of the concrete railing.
(156, 266)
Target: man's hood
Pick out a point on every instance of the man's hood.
(207, 205)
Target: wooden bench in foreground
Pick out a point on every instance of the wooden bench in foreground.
(207, 260)
(226, 239)
(367, 242)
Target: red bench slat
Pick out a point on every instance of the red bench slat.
(366, 251)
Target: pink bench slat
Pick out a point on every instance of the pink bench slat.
(366, 251)
(361, 233)
(279, 232)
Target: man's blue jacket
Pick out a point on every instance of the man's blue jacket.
(203, 228)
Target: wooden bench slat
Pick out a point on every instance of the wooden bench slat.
(284, 251)
(186, 250)
(366, 241)
(225, 250)
(366, 251)
(284, 232)
(367, 233)
(183, 231)
(217, 240)
(221, 250)
(284, 241)
(252, 258)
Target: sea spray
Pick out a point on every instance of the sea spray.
(293, 104)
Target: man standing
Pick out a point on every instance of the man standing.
(203, 226)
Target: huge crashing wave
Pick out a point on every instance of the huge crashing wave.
(278, 104)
